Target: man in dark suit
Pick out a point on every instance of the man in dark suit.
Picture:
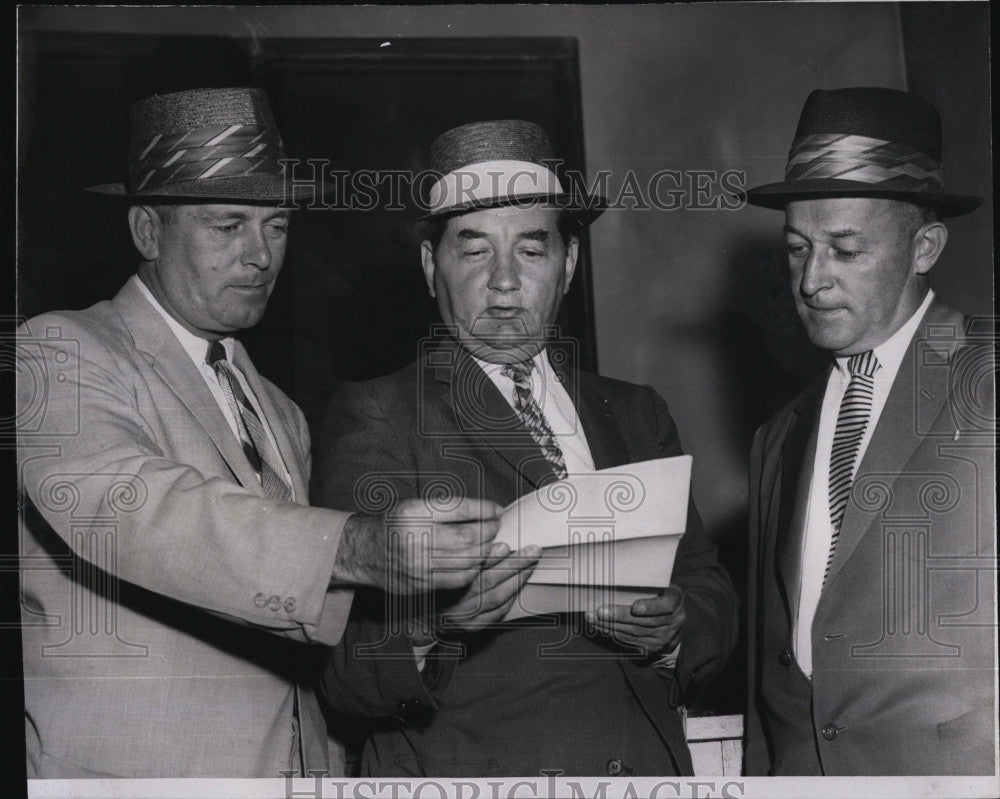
(172, 571)
(492, 410)
(872, 515)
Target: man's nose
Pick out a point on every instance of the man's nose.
(256, 249)
(815, 275)
(505, 274)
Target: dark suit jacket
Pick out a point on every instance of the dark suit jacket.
(522, 698)
(903, 641)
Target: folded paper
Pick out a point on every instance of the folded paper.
(609, 536)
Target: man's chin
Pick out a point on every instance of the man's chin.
(234, 323)
(503, 349)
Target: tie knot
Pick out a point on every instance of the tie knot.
(216, 352)
(520, 373)
(864, 363)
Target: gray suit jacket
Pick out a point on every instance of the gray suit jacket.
(166, 603)
(904, 637)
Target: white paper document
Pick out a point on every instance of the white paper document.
(607, 537)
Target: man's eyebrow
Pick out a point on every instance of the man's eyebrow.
(467, 233)
(846, 233)
(541, 234)
(219, 216)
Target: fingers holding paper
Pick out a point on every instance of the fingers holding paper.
(490, 595)
(653, 624)
(494, 590)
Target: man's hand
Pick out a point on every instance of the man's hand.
(414, 548)
(653, 624)
(487, 599)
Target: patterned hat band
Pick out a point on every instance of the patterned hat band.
(862, 159)
(215, 151)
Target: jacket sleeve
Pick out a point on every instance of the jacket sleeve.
(363, 462)
(89, 463)
(756, 758)
(709, 598)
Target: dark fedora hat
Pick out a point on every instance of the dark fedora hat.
(204, 144)
(866, 142)
(502, 162)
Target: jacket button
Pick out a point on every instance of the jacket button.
(274, 602)
(785, 658)
(615, 767)
(289, 604)
(830, 732)
(260, 600)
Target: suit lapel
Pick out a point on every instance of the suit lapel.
(898, 435)
(604, 434)
(481, 411)
(154, 338)
(798, 454)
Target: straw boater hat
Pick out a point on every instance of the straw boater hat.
(491, 164)
(204, 144)
(866, 142)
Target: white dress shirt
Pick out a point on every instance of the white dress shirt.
(197, 348)
(556, 407)
(818, 528)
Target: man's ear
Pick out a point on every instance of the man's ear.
(427, 261)
(929, 241)
(572, 252)
(146, 227)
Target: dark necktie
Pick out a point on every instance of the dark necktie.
(256, 445)
(852, 421)
(531, 415)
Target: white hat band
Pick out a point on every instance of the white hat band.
(491, 180)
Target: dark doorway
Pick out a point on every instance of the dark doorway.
(350, 305)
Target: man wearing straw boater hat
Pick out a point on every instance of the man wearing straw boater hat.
(172, 573)
(492, 408)
(871, 622)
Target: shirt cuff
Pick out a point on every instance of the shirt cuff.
(668, 662)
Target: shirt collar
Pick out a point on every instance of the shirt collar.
(195, 346)
(891, 351)
(542, 369)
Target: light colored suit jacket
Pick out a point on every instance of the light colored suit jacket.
(904, 637)
(166, 603)
(533, 694)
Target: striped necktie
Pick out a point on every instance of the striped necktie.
(256, 444)
(531, 415)
(852, 420)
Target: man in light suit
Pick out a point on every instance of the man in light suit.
(173, 576)
(872, 625)
(493, 409)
